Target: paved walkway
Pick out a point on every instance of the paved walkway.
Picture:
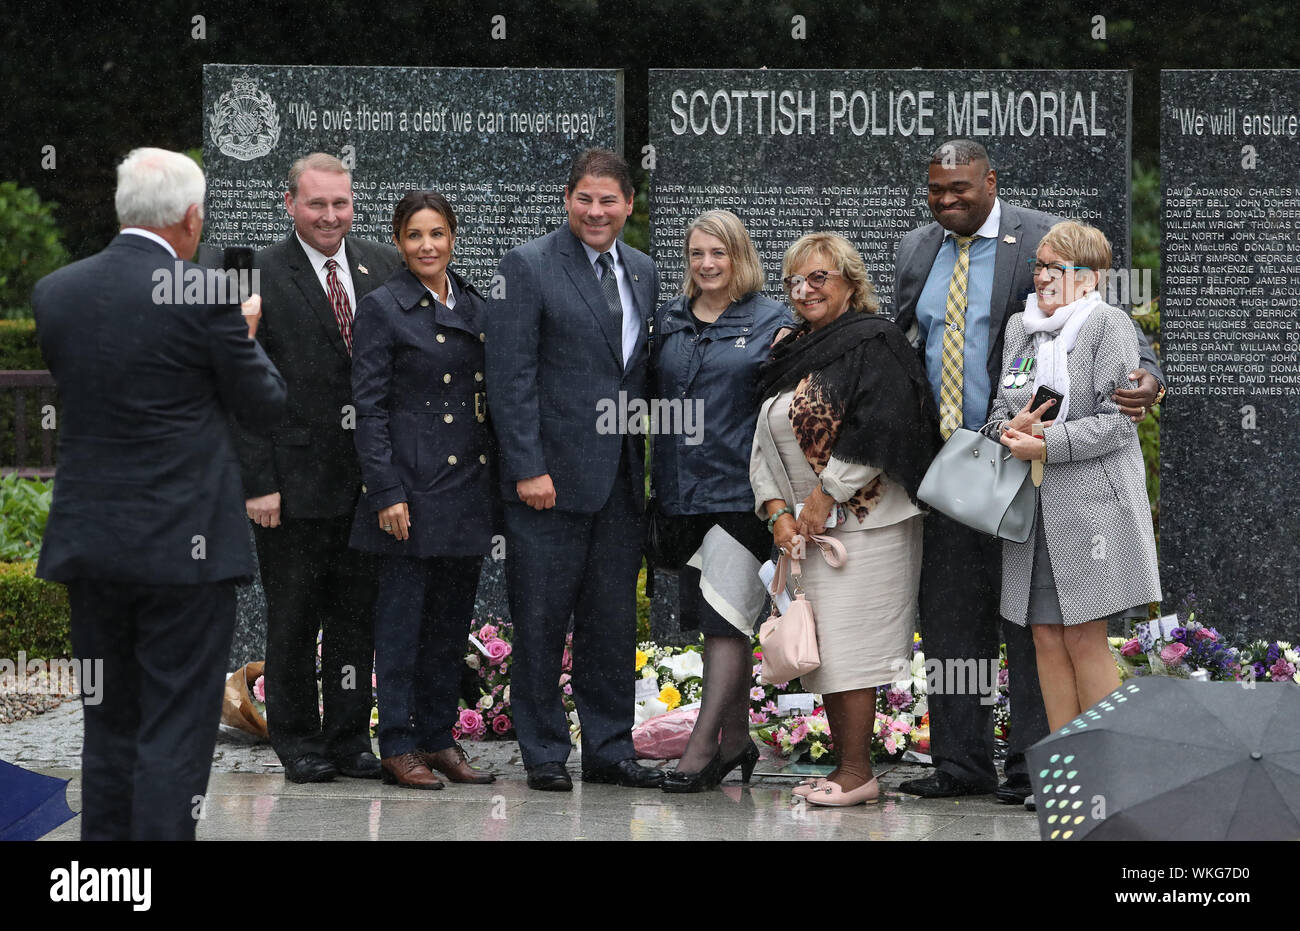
(249, 800)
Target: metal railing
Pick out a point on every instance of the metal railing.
(21, 384)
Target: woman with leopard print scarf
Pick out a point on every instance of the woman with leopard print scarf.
(848, 426)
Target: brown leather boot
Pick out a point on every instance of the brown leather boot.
(454, 764)
(407, 769)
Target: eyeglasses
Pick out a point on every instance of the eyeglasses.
(816, 279)
(1054, 270)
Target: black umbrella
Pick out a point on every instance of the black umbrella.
(1172, 759)
(31, 805)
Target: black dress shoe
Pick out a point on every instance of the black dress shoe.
(310, 767)
(361, 766)
(1015, 790)
(941, 785)
(627, 773)
(550, 777)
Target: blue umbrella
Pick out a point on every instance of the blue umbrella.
(31, 805)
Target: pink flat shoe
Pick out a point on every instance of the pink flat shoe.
(803, 789)
(831, 794)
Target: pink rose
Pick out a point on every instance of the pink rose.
(259, 688)
(566, 662)
(471, 723)
(487, 632)
(891, 746)
(1204, 633)
(564, 678)
(1173, 654)
(1132, 648)
(497, 650)
(1281, 671)
(501, 724)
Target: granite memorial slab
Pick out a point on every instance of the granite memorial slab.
(496, 141)
(1230, 322)
(792, 151)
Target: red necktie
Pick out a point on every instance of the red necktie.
(339, 302)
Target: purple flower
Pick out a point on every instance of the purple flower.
(1207, 633)
(1003, 677)
(1178, 633)
(1260, 670)
(897, 698)
(1281, 671)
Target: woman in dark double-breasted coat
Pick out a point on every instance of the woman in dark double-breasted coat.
(426, 506)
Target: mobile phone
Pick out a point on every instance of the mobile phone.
(832, 518)
(239, 259)
(1044, 394)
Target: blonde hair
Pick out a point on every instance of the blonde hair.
(841, 253)
(746, 269)
(1080, 244)
(316, 161)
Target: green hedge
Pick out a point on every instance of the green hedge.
(33, 614)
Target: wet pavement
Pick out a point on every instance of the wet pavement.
(248, 799)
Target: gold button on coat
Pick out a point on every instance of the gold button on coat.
(482, 337)
(447, 418)
(446, 379)
(424, 302)
(451, 460)
(441, 338)
(478, 376)
(483, 459)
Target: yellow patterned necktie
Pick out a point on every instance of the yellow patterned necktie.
(954, 341)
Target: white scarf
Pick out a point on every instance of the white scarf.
(1053, 338)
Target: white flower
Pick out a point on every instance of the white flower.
(472, 661)
(649, 672)
(816, 725)
(648, 709)
(685, 665)
(505, 696)
(485, 702)
(756, 694)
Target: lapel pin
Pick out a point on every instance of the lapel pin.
(636, 277)
(366, 271)
(1009, 239)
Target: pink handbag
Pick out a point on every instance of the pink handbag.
(789, 641)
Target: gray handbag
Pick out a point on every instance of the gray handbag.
(977, 482)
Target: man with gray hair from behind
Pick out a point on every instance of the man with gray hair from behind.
(147, 528)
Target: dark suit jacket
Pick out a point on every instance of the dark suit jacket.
(554, 353)
(148, 488)
(422, 432)
(311, 457)
(1013, 281)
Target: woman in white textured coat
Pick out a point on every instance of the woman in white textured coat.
(1092, 556)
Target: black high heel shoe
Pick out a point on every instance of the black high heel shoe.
(713, 772)
(747, 759)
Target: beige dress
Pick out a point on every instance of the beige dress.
(866, 611)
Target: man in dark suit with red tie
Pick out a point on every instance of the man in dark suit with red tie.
(302, 482)
(146, 528)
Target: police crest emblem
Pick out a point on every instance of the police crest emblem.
(245, 124)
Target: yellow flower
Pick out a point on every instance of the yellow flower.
(670, 697)
(816, 751)
(641, 660)
(916, 638)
